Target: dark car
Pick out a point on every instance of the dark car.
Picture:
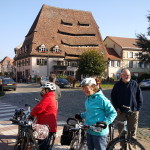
(8, 83)
(62, 83)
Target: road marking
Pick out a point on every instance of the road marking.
(8, 107)
(6, 111)
(10, 132)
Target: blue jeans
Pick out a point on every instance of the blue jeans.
(96, 142)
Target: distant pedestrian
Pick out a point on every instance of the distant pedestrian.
(52, 78)
(127, 92)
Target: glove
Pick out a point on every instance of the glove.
(30, 118)
(78, 116)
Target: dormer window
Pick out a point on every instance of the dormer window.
(83, 24)
(43, 49)
(56, 49)
(66, 23)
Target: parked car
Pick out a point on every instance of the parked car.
(1, 77)
(62, 83)
(8, 83)
(43, 80)
(145, 84)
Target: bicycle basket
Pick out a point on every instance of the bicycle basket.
(67, 135)
(40, 132)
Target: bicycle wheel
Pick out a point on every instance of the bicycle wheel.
(117, 142)
(30, 143)
(83, 146)
(51, 141)
(75, 143)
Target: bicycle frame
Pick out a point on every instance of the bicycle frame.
(79, 141)
(124, 140)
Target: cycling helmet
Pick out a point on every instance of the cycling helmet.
(88, 82)
(49, 85)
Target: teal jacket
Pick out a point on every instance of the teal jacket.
(98, 108)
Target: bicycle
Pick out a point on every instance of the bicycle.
(124, 140)
(25, 139)
(79, 141)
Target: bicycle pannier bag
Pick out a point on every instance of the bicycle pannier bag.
(66, 136)
(40, 132)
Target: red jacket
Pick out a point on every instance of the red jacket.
(46, 111)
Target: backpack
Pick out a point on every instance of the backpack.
(67, 135)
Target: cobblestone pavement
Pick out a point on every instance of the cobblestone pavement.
(72, 102)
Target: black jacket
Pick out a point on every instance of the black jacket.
(128, 94)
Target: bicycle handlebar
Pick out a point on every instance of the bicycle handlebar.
(127, 108)
(37, 100)
(14, 121)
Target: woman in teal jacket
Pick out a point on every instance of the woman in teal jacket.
(98, 108)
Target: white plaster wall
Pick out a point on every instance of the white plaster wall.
(114, 71)
(38, 69)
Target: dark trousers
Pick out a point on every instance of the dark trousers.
(44, 144)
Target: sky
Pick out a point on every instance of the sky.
(120, 18)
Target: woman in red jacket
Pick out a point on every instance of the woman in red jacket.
(46, 111)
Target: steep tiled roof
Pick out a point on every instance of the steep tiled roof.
(124, 42)
(112, 55)
(74, 31)
(3, 61)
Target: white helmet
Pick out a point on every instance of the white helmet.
(88, 82)
(49, 85)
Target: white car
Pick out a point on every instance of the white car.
(145, 84)
(43, 80)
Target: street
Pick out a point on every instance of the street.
(71, 102)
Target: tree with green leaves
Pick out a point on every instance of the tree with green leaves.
(144, 44)
(92, 63)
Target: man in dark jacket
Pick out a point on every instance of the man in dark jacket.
(125, 94)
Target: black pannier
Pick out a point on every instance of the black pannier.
(67, 135)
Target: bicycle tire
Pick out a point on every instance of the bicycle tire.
(75, 143)
(115, 143)
(83, 146)
(30, 141)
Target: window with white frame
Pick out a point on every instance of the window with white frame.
(43, 49)
(41, 62)
(74, 64)
(130, 54)
(130, 64)
(118, 63)
(112, 63)
(70, 73)
(56, 49)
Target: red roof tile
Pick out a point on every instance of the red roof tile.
(112, 55)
